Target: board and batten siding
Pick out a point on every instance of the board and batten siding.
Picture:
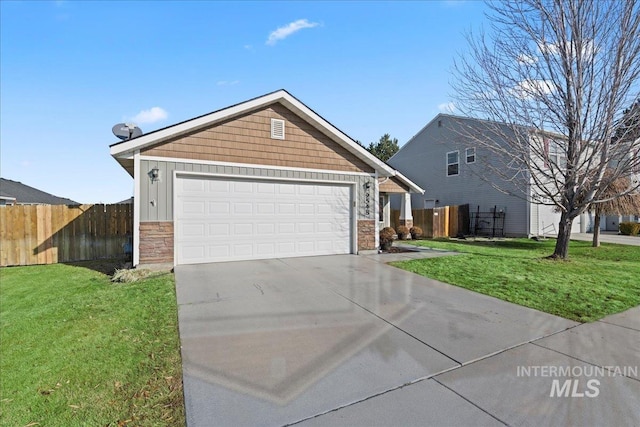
(247, 139)
(161, 192)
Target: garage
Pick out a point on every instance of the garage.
(229, 219)
(265, 178)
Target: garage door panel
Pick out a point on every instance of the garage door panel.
(191, 207)
(217, 186)
(242, 187)
(220, 230)
(266, 208)
(242, 208)
(306, 209)
(193, 229)
(219, 207)
(258, 220)
(268, 229)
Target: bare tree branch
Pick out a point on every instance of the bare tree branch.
(553, 79)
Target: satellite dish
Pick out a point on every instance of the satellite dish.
(126, 131)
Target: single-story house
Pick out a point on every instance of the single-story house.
(17, 193)
(266, 178)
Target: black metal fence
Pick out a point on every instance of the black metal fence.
(487, 224)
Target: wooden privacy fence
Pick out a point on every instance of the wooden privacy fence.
(47, 234)
(446, 221)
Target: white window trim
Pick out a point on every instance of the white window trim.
(449, 164)
(466, 155)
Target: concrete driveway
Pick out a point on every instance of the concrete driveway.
(349, 340)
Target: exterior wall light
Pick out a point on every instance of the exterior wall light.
(154, 174)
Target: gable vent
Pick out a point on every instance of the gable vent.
(277, 129)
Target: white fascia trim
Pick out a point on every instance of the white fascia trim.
(252, 166)
(413, 187)
(280, 96)
(136, 208)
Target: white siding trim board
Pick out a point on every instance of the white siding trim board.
(136, 208)
(253, 166)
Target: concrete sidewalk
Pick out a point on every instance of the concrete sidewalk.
(608, 237)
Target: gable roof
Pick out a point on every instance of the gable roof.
(474, 121)
(26, 195)
(124, 150)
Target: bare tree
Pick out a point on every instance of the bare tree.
(553, 77)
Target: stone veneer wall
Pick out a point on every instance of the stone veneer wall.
(366, 234)
(156, 242)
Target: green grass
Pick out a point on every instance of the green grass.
(593, 283)
(77, 349)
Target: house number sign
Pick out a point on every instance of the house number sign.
(367, 202)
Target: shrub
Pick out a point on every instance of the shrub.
(403, 232)
(415, 232)
(386, 237)
(629, 228)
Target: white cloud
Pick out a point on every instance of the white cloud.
(526, 59)
(447, 107)
(588, 49)
(283, 32)
(227, 82)
(154, 114)
(531, 88)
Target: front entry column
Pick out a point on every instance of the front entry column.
(406, 217)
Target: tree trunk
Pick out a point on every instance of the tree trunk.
(564, 234)
(596, 230)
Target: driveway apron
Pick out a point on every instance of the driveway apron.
(277, 342)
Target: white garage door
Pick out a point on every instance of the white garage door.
(230, 220)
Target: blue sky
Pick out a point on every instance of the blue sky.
(70, 70)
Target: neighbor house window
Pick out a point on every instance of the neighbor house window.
(453, 163)
(470, 154)
(555, 155)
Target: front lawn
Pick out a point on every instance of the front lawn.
(80, 350)
(594, 283)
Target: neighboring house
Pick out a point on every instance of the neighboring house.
(266, 178)
(444, 162)
(17, 193)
